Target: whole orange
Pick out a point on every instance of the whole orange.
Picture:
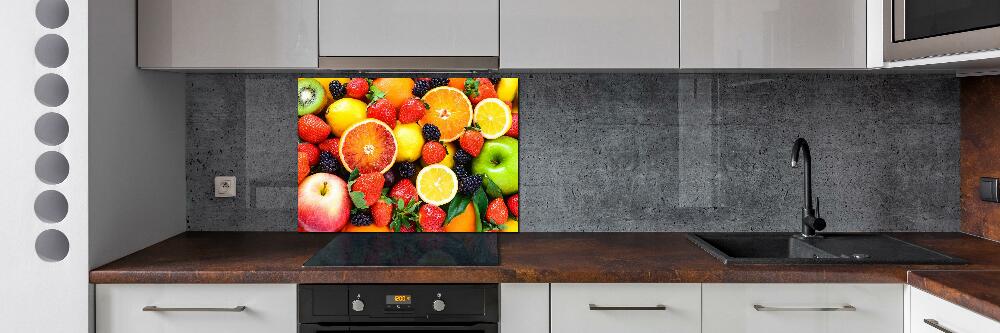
(367, 228)
(464, 222)
(457, 83)
(396, 89)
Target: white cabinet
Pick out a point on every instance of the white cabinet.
(227, 33)
(588, 34)
(626, 307)
(817, 308)
(930, 314)
(268, 308)
(406, 28)
(524, 308)
(775, 34)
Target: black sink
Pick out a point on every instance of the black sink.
(786, 248)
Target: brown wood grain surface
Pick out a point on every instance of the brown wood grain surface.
(980, 153)
(978, 291)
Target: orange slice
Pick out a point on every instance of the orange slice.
(368, 146)
(449, 110)
(436, 184)
(493, 116)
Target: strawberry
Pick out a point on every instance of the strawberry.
(512, 132)
(404, 190)
(312, 129)
(479, 89)
(371, 185)
(512, 203)
(496, 211)
(311, 151)
(331, 145)
(357, 88)
(381, 109)
(432, 218)
(303, 166)
(472, 142)
(412, 110)
(382, 213)
(433, 152)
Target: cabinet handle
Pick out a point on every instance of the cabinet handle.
(159, 309)
(594, 307)
(935, 324)
(848, 307)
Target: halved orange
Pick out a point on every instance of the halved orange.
(450, 110)
(368, 146)
(397, 89)
(493, 116)
(436, 184)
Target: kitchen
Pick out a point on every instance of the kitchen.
(665, 188)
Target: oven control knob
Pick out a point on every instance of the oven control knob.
(438, 305)
(358, 305)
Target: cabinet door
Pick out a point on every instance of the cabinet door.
(227, 33)
(930, 314)
(589, 34)
(524, 308)
(269, 308)
(626, 307)
(817, 308)
(407, 28)
(773, 34)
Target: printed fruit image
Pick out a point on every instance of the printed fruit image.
(323, 203)
(397, 90)
(368, 146)
(498, 161)
(510, 226)
(325, 83)
(493, 117)
(367, 228)
(464, 222)
(312, 129)
(507, 89)
(410, 142)
(448, 109)
(344, 113)
(312, 96)
(437, 184)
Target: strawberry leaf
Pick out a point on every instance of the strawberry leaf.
(353, 177)
(472, 87)
(374, 95)
(358, 199)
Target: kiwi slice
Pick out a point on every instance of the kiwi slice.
(312, 97)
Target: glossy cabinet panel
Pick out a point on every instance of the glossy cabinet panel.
(227, 33)
(588, 34)
(930, 314)
(406, 28)
(773, 34)
(817, 308)
(524, 308)
(626, 307)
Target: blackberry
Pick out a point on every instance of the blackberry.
(421, 88)
(462, 157)
(495, 80)
(328, 163)
(431, 132)
(469, 184)
(337, 90)
(438, 82)
(361, 218)
(406, 169)
(460, 172)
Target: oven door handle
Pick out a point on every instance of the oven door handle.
(481, 327)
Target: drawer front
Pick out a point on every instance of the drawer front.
(730, 308)
(269, 308)
(946, 315)
(407, 28)
(571, 310)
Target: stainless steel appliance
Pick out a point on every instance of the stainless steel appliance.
(383, 308)
(916, 29)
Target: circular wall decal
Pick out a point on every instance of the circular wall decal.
(52, 245)
(52, 167)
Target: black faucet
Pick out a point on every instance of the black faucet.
(810, 221)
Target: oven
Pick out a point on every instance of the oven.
(384, 308)
(916, 29)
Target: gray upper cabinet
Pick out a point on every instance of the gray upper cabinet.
(773, 34)
(409, 28)
(194, 34)
(570, 34)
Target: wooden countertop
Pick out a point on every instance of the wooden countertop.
(978, 291)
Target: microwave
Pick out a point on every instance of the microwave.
(915, 29)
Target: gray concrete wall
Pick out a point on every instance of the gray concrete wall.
(641, 152)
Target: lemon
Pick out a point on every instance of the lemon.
(510, 225)
(449, 159)
(493, 116)
(409, 141)
(437, 184)
(344, 113)
(507, 89)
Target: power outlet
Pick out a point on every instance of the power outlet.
(225, 187)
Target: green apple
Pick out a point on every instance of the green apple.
(498, 160)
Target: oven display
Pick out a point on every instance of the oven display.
(398, 299)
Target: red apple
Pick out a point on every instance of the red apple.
(324, 205)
